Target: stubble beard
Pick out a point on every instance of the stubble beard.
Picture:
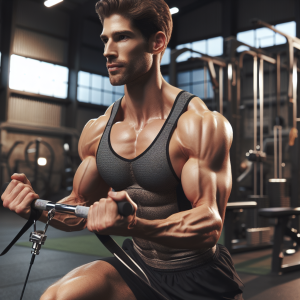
(130, 72)
(118, 79)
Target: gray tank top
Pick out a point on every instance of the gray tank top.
(151, 182)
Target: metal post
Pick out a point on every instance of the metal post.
(275, 151)
(221, 90)
(277, 254)
(8, 24)
(255, 119)
(75, 37)
(277, 130)
(280, 152)
(295, 79)
(261, 117)
(36, 165)
(278, 84)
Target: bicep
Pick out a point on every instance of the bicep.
(206, 176)
(198, 183)
(204, 186)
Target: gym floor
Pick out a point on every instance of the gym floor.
(51, 265)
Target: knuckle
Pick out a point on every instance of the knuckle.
(18, 209)
(109, 200)
(20, 185)
(109, 223)
(31, 195)
(100, 228)
(27, 190)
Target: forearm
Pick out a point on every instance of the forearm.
(197, 228)
(88, 187)
(66, 222)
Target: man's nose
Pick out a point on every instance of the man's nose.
(110, 50)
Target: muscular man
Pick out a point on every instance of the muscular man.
(161, 149)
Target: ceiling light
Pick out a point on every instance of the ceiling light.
(230, 76)
(42, 161)
(50, 3)
(174, 10)
(66, 147)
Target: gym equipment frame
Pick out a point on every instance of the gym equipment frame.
(283, 214)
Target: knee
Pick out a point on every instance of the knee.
(58, 292)
(50, 293)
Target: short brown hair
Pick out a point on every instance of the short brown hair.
(149, 16)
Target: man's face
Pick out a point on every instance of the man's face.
(125, 50)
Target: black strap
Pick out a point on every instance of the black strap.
(119, 253)
(34, 216)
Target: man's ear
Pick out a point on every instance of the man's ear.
(158, 41)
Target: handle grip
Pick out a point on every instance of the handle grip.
(124, 207)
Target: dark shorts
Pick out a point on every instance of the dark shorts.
(216, 279)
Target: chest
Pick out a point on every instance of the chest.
(126, 158)
(128, 142)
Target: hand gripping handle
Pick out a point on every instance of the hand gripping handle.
(125, 208)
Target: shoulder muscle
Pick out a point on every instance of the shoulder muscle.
(91, 135)
(205, 135)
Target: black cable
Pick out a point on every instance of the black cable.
(30, 265)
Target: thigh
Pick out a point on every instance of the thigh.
(96, 280)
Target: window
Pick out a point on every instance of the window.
(96, 89)
(166, 78)
(196, 82)
(166, 59)
(31, 75)
(212, 47)
(265, 37)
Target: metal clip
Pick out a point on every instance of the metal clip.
(51, 214)
(38, 237)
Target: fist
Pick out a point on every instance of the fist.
(18, 195)
(104, 218)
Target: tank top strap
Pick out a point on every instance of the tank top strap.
(179, 106)
(114, 112)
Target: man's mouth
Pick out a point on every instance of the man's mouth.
(113, 67)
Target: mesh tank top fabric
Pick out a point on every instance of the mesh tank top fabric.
(150, 181)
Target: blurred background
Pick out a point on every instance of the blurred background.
(240, 57)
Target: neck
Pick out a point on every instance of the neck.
(144, 98)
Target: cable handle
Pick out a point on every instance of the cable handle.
(125, 208)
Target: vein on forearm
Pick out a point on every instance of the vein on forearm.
(197, 228)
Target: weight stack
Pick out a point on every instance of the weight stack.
(253, 220)
(277, 190)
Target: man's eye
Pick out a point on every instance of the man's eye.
(104, 41)
(122, 37)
